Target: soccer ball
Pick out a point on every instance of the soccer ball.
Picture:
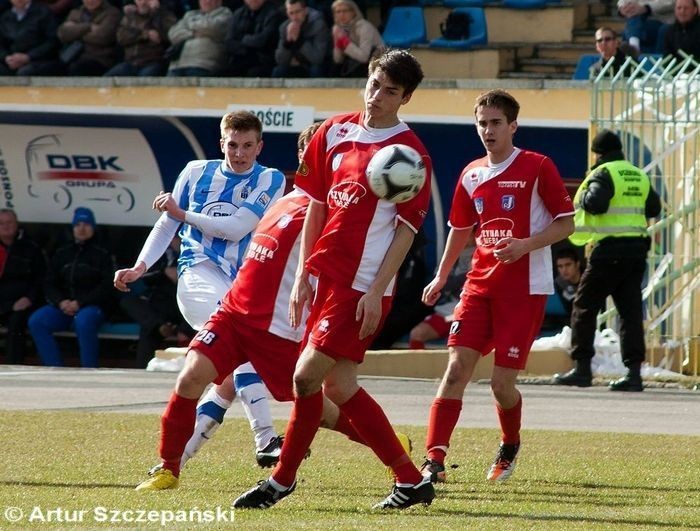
(396, 173)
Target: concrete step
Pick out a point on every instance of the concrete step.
(562, 66)
(534, 75)
(569, 51)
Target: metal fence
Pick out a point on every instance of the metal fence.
(656, 111)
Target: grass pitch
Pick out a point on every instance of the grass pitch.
(72, 462)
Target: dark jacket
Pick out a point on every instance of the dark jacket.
(81, 272)
(132, 36)
(23, 274)
(97, 30)
(618, 61)
(34, 35)
(596, 200)
(686, 38)
(254, 33)
(313, 47)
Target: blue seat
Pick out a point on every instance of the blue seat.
(554, 306)
(463, 3)
(584, 64)
(405, 26)
(477, 31)
(524, 4)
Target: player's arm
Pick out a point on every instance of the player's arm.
(369, 307)
(155, 245)
(508, 250)
(457, 240)
(236, 227)
(302, 291)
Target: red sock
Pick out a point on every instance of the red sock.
(344, 426)
(176, 427)
(301, 430)
(414, 344)
(444, 414)
(371, 424)
(510, 421)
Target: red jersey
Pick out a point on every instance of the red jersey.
(260, 293)
(359, 227)
(516, 198)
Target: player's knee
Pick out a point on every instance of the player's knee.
(305, 384)
(191, 383)
(456, 373)
(501, 390)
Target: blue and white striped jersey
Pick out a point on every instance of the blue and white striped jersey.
(208, 188)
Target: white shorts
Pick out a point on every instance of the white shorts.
(200, 289)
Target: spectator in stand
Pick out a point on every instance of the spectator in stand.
(78, 289)
(28, 39)
(355, 40)
(94, 24)
(304, 43)
(608, 45)
(156, 308)
(252, 38)
(22, 270)
(568, 277)
(324, 6)
(684, 33)
(644, 19)
(197, 41)
(143, 35)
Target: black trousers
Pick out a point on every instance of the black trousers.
(16, 340)
(620, 278)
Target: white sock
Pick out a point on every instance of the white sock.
(253, 396)
(210, 415)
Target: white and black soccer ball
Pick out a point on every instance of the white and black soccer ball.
(396, 173)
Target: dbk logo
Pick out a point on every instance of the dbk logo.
(83, 162)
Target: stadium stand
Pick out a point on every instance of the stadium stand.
(584, 64)
(405, 27)
(478, 33)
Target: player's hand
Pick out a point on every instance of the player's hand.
(123, 277)
(509, 250)
(301, 295)
(432, 292)
(165, 202)
(369, 310)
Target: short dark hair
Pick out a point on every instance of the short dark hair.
(567, 252)
(499, 99)
(241, 121)
(401, 67)
(9, 211)
(607, 29)
(290, 2)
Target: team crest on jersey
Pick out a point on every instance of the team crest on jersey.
(337, 159)
(244, 192)
(479, 205)
(345, 194)
(508, 202)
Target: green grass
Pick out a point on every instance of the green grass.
(78, 461)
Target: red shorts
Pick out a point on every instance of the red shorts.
(438, 323)
(332, 328)
(228, 343)
(507, 325)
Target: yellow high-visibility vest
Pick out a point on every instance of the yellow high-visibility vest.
(625, 215)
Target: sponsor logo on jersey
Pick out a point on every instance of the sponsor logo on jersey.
(219, 209)
(513, 352)
(342, 132)
(479, 205)
(508, 202)
(262, 247)
(512, 184)
(494, 230)
(263, 199)
(345, 194)
(337, 159)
